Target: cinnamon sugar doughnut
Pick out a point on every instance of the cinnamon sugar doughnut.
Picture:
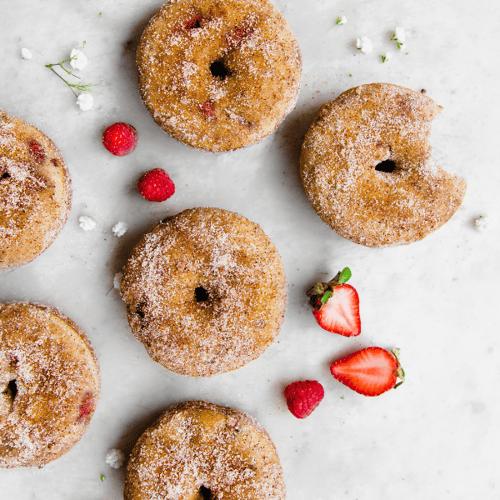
(49, 384)
(35, 192)
(200, 451)
(205, 292)
(219, 74)
(367, 169)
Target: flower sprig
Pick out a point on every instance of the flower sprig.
(399, 37)
(79, 86)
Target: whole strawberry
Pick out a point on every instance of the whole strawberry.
(156, 185)
(336, 305)
(303, 397)
(371, 371)
(120, 139)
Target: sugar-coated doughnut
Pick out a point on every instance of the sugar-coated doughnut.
(205, 291)
(219, 74)
(49, 384)
(35, 192)
(200, 451)
(366, 167)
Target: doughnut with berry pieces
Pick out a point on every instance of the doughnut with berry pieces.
(200, 451)
(366, 167)
(49, 384)
(205, 292)
(35, 192)
(219, 75)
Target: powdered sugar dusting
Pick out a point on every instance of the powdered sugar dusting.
(199, 445)
(55, 373)
(351, 137)
(205, 291)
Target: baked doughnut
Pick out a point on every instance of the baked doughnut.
(367, 169)
(200, 451)
(35, 192)
(205, 292)
(49, 384)
(219, 74)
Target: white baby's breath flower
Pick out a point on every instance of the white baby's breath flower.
(400, 34)
(482, 223)
(87, 223)
(115, 458)
(386, 57)
(341, 20)
(26, 54)
(119, 229)
(364, 44)
(85, 102)
(78, 59)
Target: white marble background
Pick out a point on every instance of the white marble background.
(435, 437)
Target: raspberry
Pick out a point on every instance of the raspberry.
(120, 139)
(303, 397)
(37, 151)
(207, 108)
(156, 185)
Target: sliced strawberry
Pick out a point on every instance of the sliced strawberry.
(340, 312)
(371, 371)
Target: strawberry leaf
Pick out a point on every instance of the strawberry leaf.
(325, 297)
(345, 276)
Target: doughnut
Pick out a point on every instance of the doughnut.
(35, 192)
(366, 167)
(205, 292)
(49, 384)
(200, 451)
(219, 75)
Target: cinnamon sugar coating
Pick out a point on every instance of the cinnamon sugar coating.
(235, 102)
(49, 384)
(353, 135)
(198, 450)
(205, 292)
(35, 192)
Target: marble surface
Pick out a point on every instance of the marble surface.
(435, 437)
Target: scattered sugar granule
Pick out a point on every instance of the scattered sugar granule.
(85, 102)
(482, 223)
(364, 44)
(79, 60)
(26, 54)
(117, 281)
(87, 223)
(115, 458)
(342, 20)
(119, 229)
(386, 57)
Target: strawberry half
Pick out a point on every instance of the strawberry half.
(371, 371)
(336, 305)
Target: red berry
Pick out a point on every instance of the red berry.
(303, 397)
(371, 371)
(120, 139)
(37, 151)
(336, 305)
(156, 185)
(86, 406)
(207, 108)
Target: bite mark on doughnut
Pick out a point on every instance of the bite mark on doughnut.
(37, 151)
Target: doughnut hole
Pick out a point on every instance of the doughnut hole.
(5, 175)
(12, 386)
(205, 494)
(219, 69)
(201, 294)
(387, 166)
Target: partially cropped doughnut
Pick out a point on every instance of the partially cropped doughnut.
(219, 74)
(205, 291)
(366, 167)
(35, 192)
(49, 384)
(200, 451)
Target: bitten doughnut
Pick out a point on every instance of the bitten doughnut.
(49, 384)
(35, 192)
(200, 451)
(219, 74)
(366, 167)
(205, 291)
